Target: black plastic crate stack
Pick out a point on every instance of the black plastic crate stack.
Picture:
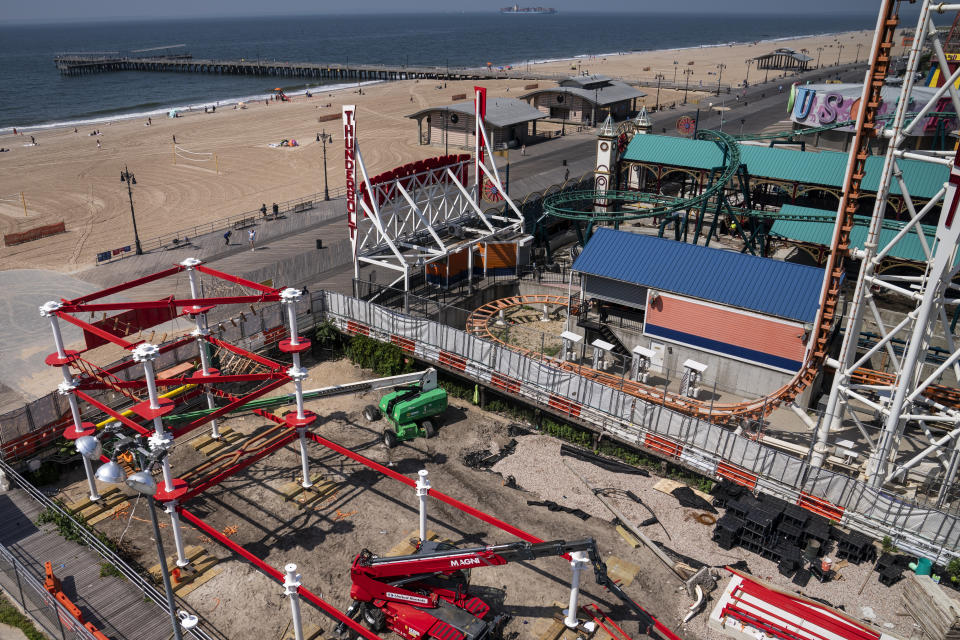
(891, 568)
(727, 532)
(792, 523)
(725, 491)
(757, 530)
(854, 547)
(817, 528)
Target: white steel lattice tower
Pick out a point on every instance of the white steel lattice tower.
(908, 395)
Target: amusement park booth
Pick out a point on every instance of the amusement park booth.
(586, 100)
(747, 318)
(500, 258)
(509, 123)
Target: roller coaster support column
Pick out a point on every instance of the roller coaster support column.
(296, 345)
(201, 332)
(161, 441)
(67, 388)
(866, 129)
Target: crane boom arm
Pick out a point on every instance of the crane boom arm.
(383, 577)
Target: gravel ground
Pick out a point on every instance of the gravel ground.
(539, 468)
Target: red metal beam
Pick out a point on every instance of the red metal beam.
(96, 295)
(113, 414)
(263, 413)
(476, 513)
(304, 593)
(169, 302)
(196, 379)
(86, 326)
(238, 466)
(237, 280)
(276, 366)
(190, 426)
(170, 346)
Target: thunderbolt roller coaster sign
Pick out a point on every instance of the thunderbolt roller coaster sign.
(349, 165)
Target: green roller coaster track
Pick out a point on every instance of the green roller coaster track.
(576, 205)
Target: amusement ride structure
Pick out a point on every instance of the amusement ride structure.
(911, 394)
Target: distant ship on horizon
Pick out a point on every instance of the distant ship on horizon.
(528, 10)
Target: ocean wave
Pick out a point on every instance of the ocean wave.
(140, 113)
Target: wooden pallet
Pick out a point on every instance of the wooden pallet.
(322, 492)
(202, 568)
(553, 628)
(111, 501)
(406, 546)
(310, 632)
(209, 447)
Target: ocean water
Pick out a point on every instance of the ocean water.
(33, 93)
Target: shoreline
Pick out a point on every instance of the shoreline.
(162, 111)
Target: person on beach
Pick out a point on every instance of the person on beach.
(174, 138)
(252, 236)
(33, 141)
(523, 150)
(98, 144)
(226, 237)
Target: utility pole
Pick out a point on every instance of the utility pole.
(676, 64)
(746, 81)
(126, 176)
(859, 46)
(687, 72)
(839, 51)
(325, 138)
(819, 51)
(720, 68)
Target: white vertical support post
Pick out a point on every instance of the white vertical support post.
(289, 298)
(470, 270)
(291, 584)
(145, 354)
(200, 333)
(423, 490)
(67, 388)
(577, 561)
(545, 316)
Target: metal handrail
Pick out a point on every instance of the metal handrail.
(106, 553)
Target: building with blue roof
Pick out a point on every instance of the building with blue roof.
(732, 311)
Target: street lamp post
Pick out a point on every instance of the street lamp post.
(819, 51)
(839, 51)
(720, 68)
(687, 72)
(746, 81)
(659, 77)
(126, 176)
(325, 138)
(676, 64)
(859, 46)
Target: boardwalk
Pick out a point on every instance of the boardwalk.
(117, 607)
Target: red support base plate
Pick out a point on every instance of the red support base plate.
(179, 488)
(309, 417)
(72, 433)
(54, 359)
(144, 411)
(286, 347)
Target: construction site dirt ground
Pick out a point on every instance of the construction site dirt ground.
(371, 511)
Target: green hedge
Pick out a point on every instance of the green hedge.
(384, 358)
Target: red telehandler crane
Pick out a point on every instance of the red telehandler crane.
(426, 595)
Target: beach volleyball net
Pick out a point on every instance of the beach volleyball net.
(204, 159)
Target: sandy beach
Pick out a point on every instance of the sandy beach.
(65, 177)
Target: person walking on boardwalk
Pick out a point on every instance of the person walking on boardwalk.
(263, 209)
(276, 210)
(252, 236)
(226, 237)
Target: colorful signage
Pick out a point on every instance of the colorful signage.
(823, 105)
(349, 166)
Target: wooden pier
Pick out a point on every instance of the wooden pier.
(74, 64)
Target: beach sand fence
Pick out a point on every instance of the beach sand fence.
(199, 159)
(17, 200)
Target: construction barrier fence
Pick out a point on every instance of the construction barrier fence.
(11, 239)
